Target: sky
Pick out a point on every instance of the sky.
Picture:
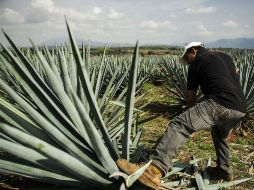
(166, 22)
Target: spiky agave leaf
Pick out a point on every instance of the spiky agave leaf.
(130, 103)
(246, 77)
(84, 78)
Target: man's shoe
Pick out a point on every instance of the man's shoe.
(217, 173)
(150, 178)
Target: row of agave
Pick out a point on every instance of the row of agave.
(163, 69)
(66, 118)
(166, 69)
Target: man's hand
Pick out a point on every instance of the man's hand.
(191, 98)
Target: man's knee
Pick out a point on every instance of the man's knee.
(181, 127)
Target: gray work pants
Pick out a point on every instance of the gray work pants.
(203, 115)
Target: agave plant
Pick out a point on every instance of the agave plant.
(52, 124)
(176, 80)
(244, 62)
(152, 68)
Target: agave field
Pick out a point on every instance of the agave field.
(67, 116)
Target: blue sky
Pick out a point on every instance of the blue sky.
(149, 21)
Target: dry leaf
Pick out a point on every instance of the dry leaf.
(251, 170)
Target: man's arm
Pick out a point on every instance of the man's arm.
(191, 98)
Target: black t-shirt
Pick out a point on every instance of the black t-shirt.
(215, 72)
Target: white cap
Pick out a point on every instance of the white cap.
(190, 45)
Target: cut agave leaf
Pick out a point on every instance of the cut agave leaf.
(200, 182)
(179, 167)
(206, 177)
(226, 184)
(131, 179)
(222, 185)
(134, 177)
(122, 187)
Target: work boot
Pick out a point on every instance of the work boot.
(150, 178)
(217, 173)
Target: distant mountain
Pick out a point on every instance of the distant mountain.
(243, 43)
(86, 42)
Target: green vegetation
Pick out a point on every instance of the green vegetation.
(67, 114)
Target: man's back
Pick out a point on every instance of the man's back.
(215, 72)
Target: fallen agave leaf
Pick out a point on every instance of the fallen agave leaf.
(170, 184)
(249, 156)
(206, 177)
(133, 177)
(200, 182)
(226, 184)
(179, 167)
(122, 187)
(251, 170)
(119, 174)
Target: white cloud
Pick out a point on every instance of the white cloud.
(44, 16)
(9, 16)
(43, 20)
(46, 10)
(199, 10)
(153, 25)
(230, 24)
(203, 31)
(149, 24)
(42, 11)
(47, 4)
(113, 21)
(113, 14)
(97, 10)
